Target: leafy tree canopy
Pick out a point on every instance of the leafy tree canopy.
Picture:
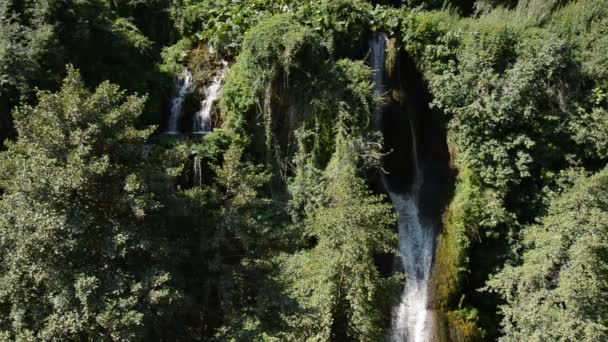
(77, 221)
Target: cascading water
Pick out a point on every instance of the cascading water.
(411, 318)
(377, 59)
(203, 121)
(198, 171)
(183, 87)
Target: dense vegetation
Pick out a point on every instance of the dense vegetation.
(275, 226)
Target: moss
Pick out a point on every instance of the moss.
(461, 224)
(473, 212)
(392, 57)
(203, 65)
(451, 257)
(462, 325)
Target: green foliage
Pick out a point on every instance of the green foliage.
(130, 35)
(584, 24)
(429, 39)
(266, 229)
(283, 78)
(516, 95)
(500, 116)
(24, 54)
(269, 50)
(175, 56)
(336, 282)
(81, 256)
(463, 325)
(343, 24)
(38, 38)
(285, 65)
(223, 23)
(590, 129)
(152, 18)
(472, 211)
(559, 290)
(471, 217)
(225, 233)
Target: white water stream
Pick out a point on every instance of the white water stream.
(377, 59)
(411, 318)
(183, 86)
(203, 121)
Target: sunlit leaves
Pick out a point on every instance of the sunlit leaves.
(560, 290)
(75, 220)
(336, 282)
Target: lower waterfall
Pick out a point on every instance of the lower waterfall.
(183, 87)
(203, 120)
(410, 318)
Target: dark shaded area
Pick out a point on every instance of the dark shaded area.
(433, 153)
(398, 144)
(398, 115)
(485, 257)
(412, 108)
(97, 37)
(7, 130)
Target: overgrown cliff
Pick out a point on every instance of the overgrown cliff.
(486, 120)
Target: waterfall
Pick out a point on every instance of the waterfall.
(198, 171)
(411, 317)
(378, 44)
(183, 87)
(203, 121)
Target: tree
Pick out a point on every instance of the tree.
(225, 232)
(560, 290)
(80, 254)
(336, 282)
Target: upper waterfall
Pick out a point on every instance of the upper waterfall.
(203, 120)
(411, 317)
(378, 43)
(183, 87)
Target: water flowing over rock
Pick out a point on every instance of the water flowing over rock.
(378, 44)
(411, 318)
(203, 121)
(183, 87)
(198, 171)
